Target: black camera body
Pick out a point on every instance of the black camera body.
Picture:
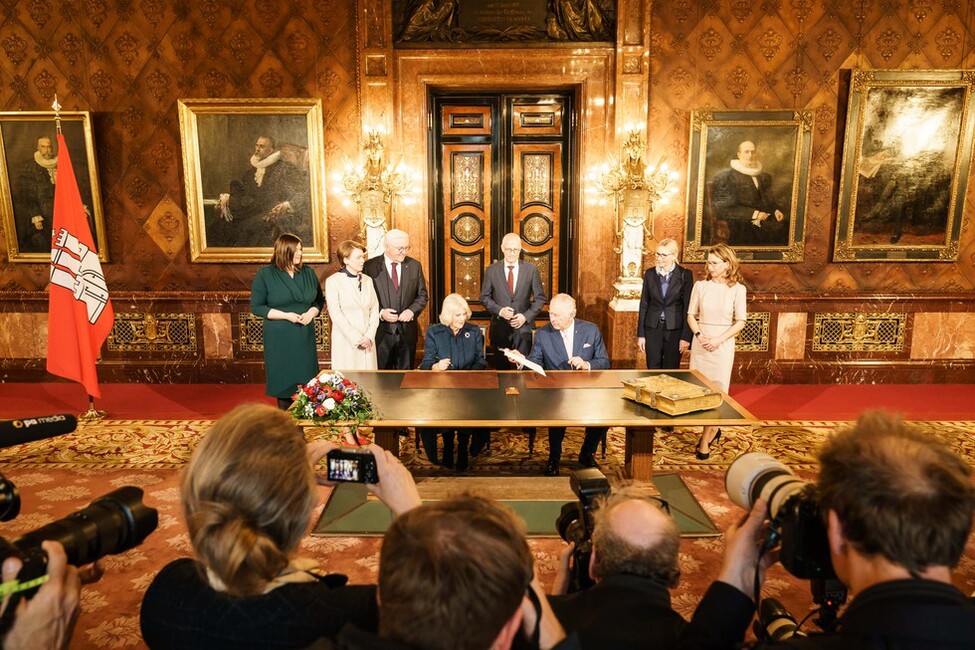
(576, 522)
(352, 466)
(797, 526)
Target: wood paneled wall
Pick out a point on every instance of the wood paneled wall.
(128, 61)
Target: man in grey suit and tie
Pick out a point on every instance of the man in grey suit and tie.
(512, 291)
(402, 296)
(662, 330)
(568, 343)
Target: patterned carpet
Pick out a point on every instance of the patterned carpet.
(58, 476)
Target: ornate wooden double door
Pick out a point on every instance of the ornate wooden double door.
(503, 163)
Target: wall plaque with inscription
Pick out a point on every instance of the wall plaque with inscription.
(503, 21)
(476, 15)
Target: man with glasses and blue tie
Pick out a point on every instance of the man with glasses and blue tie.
(512, 291)
(402, 294)
(662, 330)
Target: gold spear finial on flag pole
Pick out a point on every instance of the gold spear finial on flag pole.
(57, 113)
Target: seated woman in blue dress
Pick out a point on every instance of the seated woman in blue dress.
(455, 344)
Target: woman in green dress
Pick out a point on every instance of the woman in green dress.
(288, 296)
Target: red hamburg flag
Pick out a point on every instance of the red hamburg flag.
(80, 314)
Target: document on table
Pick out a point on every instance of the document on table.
(522, 361)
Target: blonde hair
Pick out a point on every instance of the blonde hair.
(248, 495)
(727, 254)
(451, 303)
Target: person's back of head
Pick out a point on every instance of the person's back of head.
(248, 495)
(897, 493)
(452, 573)
(632, 536)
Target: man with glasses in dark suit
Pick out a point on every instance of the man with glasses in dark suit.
(402, 294)
(512, 291)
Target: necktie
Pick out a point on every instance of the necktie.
(395, 276)
(511, 280)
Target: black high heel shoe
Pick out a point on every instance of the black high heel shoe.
(700, 455)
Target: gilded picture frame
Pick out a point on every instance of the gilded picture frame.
(747, 184)
(28, 170)
(906, 161)
(253, 169)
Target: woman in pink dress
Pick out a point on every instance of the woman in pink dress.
(716, 313)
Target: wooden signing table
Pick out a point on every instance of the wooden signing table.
(493, 399)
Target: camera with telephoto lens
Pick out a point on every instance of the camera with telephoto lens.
(575, 522)
(797, 527)
(113, 523)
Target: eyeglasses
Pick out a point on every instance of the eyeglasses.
(400, 249)
(659, 254)
(511, 250)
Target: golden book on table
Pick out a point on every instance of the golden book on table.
(670, 395)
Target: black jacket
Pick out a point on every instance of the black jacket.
(896, 615)
(621, 611)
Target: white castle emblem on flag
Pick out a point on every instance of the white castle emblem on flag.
(75, 267)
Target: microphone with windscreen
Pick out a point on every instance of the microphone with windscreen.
(15, 432)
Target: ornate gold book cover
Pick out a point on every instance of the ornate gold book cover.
(669, 395)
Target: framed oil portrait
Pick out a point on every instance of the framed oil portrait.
(254, 169)
(906, 159)
(747, 183)
(28, 170)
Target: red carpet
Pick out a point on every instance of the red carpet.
(772, 402)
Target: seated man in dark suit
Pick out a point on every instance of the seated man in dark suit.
(568, 343)
(634, 564)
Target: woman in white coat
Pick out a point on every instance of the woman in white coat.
(353, 309)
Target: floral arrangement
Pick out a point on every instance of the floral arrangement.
(329, 398)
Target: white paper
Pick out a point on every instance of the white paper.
(522, 361)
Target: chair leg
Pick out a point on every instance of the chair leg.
(531, 441)
(602, 442)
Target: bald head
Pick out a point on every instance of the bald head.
(633, 536)
(640, 524)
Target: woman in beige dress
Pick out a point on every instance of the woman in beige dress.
(353, 309)
(716, 313)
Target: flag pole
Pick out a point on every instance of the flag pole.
(57, 113)
(92, 414)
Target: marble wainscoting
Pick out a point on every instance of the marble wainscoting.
(189, 337)
(838, 339)
(184, 337)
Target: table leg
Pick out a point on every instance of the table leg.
(639, 453)
(387, 438)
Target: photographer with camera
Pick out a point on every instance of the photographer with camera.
(634, 565)
(458, 574)
(898, 510)
(41, 587)
(248, 496)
